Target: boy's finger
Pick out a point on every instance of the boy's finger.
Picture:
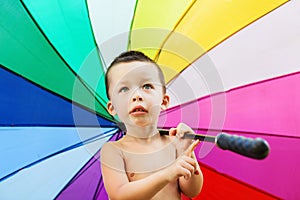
(191, 148)
(187, 174)
(172, 131)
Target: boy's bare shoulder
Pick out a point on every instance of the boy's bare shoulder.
(108, 147)
(113, 147)
(111, 156)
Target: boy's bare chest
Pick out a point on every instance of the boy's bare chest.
(149, 161)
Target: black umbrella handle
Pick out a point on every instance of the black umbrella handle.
(256, 148)
(253, 148)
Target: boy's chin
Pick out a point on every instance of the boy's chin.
(142, 122)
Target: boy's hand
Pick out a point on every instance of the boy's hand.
(177, 137)
(184, 165)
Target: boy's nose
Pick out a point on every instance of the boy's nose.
(137, 97)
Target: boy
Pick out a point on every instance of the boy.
(144, 164)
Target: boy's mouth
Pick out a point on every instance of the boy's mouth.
(138, 109)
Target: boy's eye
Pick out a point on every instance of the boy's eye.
(123, 89)
(147, 86)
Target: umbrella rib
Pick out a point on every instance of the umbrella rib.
(131, 25)
(99, 187)
(79, 144)
(60, 56)
(172, 31)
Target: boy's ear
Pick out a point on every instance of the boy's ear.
(165, 102)
(110, 108)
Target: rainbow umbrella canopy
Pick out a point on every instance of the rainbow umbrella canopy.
(231, 66)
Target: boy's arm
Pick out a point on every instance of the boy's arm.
(192, 187)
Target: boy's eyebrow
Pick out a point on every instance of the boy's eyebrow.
(141, 80)
(122, 82)
(148, 78)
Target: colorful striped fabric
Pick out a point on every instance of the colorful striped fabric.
(231, 66)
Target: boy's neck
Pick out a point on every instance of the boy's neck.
(142, 133)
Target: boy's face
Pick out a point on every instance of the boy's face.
(136, 93)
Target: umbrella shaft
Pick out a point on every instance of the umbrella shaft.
(201, 137)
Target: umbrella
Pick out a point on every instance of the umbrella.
(230, 66)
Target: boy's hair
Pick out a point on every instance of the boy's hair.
(131, 56)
